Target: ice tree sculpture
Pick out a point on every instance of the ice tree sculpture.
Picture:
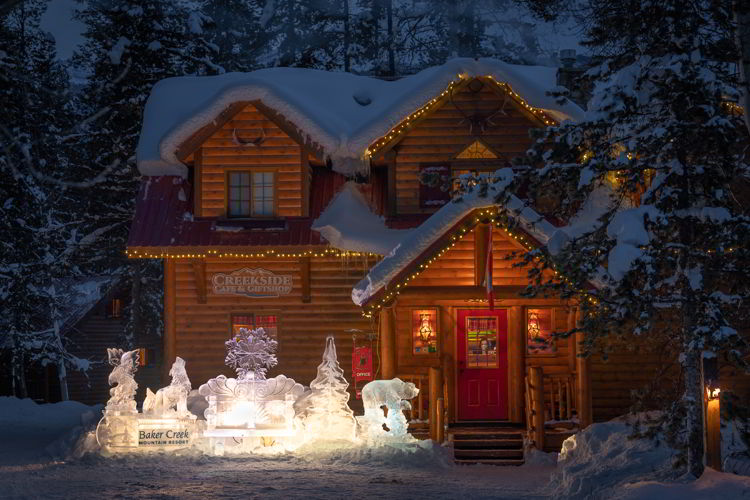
(394, 395)
(122, 395)
(324, 411)
(173, 398)
(251, 353)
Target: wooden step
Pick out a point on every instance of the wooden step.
(496, 444)
(482, 454)
(489, 461)
(465, 436)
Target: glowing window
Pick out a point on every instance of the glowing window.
(269, 322)
(476, 150)
(539, 331)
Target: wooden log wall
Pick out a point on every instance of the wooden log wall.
(441, 136)
(278, 152)
(202, 328)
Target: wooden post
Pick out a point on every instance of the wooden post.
(583, 379)
(516, 363)
(420, 401)
(170, 330)
(568, 405)
(571, 340)
(560, 414)
(387, 344)
(390, 159)
(305, 174)
(439, 424)
(448, 379)
(304, 269)
(713, 434)
(199, 272)
(537, 405)
(436, 391)
(481, 233)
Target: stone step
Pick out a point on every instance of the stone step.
(464, 436)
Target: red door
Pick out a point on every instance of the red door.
(482, 364)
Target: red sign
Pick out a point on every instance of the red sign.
(362, 363)
(361, 367)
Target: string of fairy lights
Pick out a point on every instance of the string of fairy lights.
(232, 254)
(407, 122)
(489, 215)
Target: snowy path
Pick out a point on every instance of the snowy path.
(258, 477)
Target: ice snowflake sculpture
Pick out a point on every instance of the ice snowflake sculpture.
(394, 395)
(122, 395)
(251, 353)
(324, 411)
(171, 399)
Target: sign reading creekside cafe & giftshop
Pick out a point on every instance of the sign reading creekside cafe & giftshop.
(258, 283)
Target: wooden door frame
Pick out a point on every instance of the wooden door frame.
(508, 316)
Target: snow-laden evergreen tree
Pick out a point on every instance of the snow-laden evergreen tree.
(653, 182)
(324, 411)
(41, 234)
(251, 353)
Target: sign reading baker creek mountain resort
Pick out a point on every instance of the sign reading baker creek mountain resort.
(163, 437)
(258, 283)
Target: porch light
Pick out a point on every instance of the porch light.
(425, 328)
(533, 325)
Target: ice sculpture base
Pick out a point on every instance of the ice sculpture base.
(137, 432)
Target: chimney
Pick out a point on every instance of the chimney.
(570, 77)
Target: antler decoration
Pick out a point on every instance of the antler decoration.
(478, 122)
(249, 142)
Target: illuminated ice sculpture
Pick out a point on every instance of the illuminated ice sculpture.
(394, 394)
(323, 412)
(170, 400)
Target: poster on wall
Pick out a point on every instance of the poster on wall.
(250, 282)
(424, 331)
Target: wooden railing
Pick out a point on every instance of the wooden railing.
(550, 397)
(430, 406)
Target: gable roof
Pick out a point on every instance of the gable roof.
(340, 114)
(422, 243)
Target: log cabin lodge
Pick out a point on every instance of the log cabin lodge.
(290, 199)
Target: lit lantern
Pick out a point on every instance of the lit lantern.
(425, 328)
(533, 326)
(424, 331)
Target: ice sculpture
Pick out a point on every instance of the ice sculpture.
(170, 400)
(122, 395)
(251, 353)
(394, 395)
(324, 412)
(250, 408)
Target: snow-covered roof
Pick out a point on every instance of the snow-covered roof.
(423, 237)
(341, 112)
(348, 223)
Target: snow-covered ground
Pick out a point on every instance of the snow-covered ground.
(38, 460)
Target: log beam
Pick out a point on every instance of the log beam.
(304, 268)
(170, 330)
(387, 344)
(199, 271)
(516, 363)
(571, 340)
(436, 391)
(460, 292)
(583, 380)
(537, 405)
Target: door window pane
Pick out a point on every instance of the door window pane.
(269, 322)
(481, 342)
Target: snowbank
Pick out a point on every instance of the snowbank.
(342, 112)
(31, 431)
(349, 224)
(712, 484)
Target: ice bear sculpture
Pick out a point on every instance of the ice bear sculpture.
(173, 398)
(394, 395)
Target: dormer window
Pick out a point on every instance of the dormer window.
(251, 194)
